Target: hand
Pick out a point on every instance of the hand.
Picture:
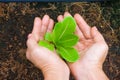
(49, 62)
(92, 49)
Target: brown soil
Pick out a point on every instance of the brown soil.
(16, 21)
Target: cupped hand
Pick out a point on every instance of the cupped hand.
(49, 62)
(92, 49)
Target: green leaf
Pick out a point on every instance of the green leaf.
(57, 31)
(69, 54)
(63, 38)
(46, 44)
(67, 26)
(68, 40)
(48, 37)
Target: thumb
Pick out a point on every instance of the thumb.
(31, 42)
(97, 36)
(100, 46)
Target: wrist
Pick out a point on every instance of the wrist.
(91, 74)
(55, 73)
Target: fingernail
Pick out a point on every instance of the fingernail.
(67, 14)
(37, 18)
(45, 17)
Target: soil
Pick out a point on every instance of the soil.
(16, 21)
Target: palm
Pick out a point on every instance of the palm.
(89, 52)
(91, 47)
(83, 45)
(40, 56)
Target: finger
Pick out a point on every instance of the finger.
(60, 18)
(83, 25)
(67, 14)
(45, 23)
(79, 33)
(36, 28)
(97, 36)
(50, 26)
(79, 47)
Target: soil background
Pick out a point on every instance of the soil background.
(16, 22)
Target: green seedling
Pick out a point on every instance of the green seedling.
(63, 39)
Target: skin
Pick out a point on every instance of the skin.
(92, 49)
(49, 62)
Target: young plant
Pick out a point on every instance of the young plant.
(63, 39)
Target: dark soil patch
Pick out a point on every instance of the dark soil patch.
(16, 21)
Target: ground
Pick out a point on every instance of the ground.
(16, 21)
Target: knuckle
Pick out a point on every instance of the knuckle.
(105, 46)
